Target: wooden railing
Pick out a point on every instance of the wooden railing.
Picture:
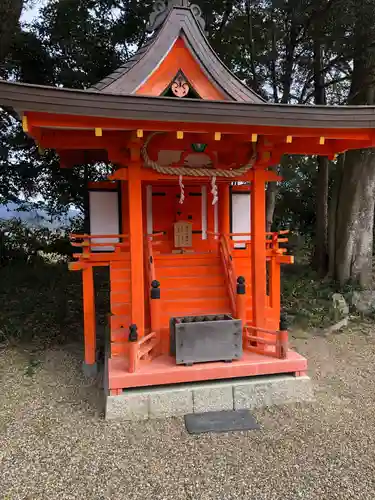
(227, 261)
(149, 258)
(149, 346)
(273, 241)
(89, 243)
(272, 343)
(142, 350)
(231, 276)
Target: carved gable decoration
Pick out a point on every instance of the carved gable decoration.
(177, 28)
(180, 86)
(163, 7)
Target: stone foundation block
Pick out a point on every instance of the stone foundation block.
(170, 402)
(133, 405)
(259, 392)
(213, 397)
(201, 397)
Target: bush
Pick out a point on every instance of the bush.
(22, 242)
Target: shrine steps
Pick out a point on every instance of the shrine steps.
(120, 297)
(191, 285)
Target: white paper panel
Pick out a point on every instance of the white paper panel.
(150, 224)
(241, 222)
(104, 217)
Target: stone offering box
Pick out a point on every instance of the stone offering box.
(199, 339)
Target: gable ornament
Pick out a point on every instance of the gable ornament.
(162, 8)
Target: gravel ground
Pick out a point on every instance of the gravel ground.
(55, 445)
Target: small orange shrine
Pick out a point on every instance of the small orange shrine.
(180, 222)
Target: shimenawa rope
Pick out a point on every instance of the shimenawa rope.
(192, 171)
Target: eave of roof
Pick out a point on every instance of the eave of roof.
(180, 22)
(34, 98)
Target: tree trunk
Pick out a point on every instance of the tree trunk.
(355, 219)
(272, 190)
(356, 199)
(320, 260)
(10, 12)
(332, 215)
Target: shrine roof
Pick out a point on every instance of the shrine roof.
(168, 22)
(83, 103)
(117, 96)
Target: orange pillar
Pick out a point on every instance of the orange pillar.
(89, 322)
(136, 246)
(258, 247)
(224, 209)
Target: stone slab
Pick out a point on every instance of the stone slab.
(236, 394)
(220, 421)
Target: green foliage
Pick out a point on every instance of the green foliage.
(306, 298)
(39, 302)
(20, 242)
(295, 207)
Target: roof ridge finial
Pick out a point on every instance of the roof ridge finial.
(162, 8)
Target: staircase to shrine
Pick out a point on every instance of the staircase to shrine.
(120, 304)
(191, 285)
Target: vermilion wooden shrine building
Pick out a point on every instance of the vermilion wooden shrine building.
(194, 277)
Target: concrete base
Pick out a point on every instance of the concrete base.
(90, 371)
(235, 394)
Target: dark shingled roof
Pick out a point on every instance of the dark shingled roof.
(84, 103)
(180, 22)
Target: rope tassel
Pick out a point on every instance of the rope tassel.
(214, 191)
(182, 187)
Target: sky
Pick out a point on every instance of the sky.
(31, 13)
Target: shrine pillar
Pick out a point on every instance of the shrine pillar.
(258, 247)
(89, 322)
(136, 241)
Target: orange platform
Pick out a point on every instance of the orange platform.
(164, 371)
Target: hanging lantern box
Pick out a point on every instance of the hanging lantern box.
(199, 339)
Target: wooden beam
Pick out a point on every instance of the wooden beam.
(103, 185)
(136, 244)
(81, 122)
(89, 320)
(146, 174)
(258, 247)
